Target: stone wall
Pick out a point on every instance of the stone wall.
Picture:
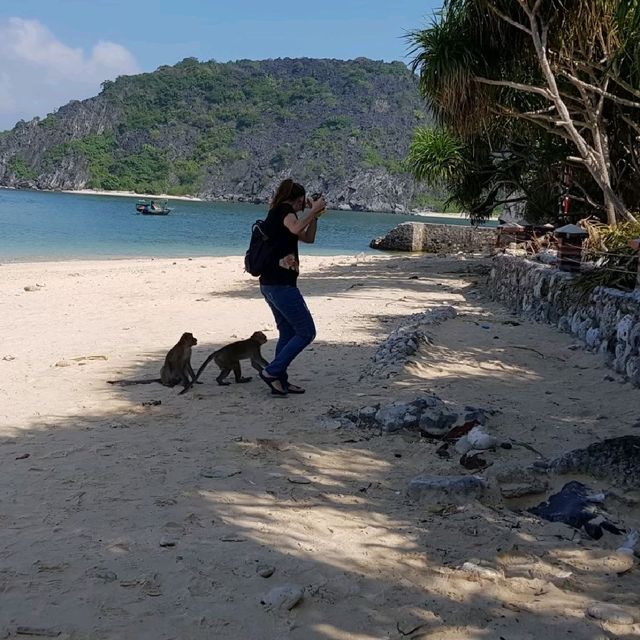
(608, 322)
(437, 238)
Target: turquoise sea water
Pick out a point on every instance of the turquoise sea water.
(37, 225)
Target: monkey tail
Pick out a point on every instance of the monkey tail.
(126, 383)
(200, 370)
(203, 366)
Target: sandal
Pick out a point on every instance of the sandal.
(294, 388)
(269, 382)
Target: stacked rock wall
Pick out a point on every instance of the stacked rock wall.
(437, 238)
(608, 322)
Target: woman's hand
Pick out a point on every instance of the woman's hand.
(317, 206)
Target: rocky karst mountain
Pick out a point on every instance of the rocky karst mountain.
(231, 131)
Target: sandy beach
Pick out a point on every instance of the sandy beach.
(137, 513)
(130, 194)
(439, 214)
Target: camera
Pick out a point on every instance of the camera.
(317, 196)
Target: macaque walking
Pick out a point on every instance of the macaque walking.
(228, 358)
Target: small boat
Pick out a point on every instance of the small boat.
(152, 208)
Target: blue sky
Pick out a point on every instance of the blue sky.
(54, 51)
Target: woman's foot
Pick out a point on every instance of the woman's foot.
(275, 384)
(294, 388)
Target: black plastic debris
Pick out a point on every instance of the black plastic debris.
(578, 506)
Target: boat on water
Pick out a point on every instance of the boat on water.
(152, 208)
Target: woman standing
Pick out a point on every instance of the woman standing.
(278, 280)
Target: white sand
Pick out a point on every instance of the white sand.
(459, 215)
(107, 479)
(130, 194)
(441, 214)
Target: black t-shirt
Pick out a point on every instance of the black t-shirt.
(285, 266)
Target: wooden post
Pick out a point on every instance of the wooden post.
(635, 244)
(571, 237)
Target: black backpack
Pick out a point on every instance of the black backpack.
(260, 251)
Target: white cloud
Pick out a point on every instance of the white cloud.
(7, 101)
(39, 73)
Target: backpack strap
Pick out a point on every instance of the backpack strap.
(257, 226)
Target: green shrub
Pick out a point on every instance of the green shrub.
(21, 169)
(98, 150)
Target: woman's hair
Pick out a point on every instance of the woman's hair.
(288, 190)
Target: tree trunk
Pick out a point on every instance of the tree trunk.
(611, 210)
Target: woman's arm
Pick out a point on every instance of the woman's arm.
(296, 225)
(308, 235)
(305, 227)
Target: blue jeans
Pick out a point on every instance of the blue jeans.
(294, 323)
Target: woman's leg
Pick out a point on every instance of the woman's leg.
(290, 304)
(285, 329)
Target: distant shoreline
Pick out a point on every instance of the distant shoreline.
(165, 196)
(458, 215)
(126, 194)
(438, 214)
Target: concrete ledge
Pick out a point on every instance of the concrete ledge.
(437, 238)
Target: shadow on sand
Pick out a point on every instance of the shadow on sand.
(151, 522)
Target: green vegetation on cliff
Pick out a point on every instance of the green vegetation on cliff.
(19, 166)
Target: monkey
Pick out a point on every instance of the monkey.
(228, 358)
(176, 369)
(177, 365)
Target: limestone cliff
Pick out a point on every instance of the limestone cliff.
(232, 131)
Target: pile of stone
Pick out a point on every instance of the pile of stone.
(547, 256)
(406, 340)
(430, 416)
(427, 414)
(463, 433)
(616, 460)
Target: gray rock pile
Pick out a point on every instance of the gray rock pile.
(616, 460)
(427, 414)
(406, 340)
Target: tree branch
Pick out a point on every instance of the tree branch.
(508, 20)
(634, 125)
(590, 87)
(534, 113)
(585, 196)
(589, 66)
(515, 85)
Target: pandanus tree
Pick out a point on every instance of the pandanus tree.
(526, 92)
